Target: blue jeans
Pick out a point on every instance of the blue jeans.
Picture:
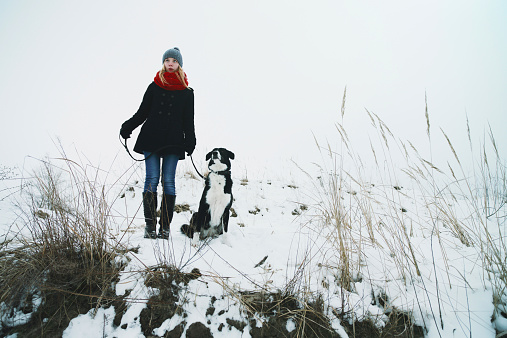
(169, 163)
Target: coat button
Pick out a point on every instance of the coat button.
(163, 94)
(160, 113)
(162, 103)
(170, 104)
(172, 96)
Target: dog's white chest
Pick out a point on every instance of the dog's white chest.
(216, 198)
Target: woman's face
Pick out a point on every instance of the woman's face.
(171, 65)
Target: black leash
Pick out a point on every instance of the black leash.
(144, 159)
(197, 171)
(128, 151)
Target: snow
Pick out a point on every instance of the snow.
(278, 218)
(93, 324)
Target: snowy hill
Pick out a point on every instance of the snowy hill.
(324, 254)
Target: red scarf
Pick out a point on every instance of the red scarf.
(173, 82)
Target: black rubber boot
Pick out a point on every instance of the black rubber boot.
(166, 215)
(150, 214)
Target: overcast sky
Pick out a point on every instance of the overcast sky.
(266, 74)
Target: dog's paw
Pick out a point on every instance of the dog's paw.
(195, 240)
(225, 240)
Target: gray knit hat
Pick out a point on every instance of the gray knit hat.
(175, 54)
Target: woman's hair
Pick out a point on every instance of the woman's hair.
(179, 73)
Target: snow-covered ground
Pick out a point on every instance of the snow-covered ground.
(279, 218)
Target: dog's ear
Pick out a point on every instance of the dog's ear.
(208, 155)
(231, 154)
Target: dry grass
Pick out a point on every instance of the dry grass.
(61, 259)
(269, 312)
(363, 215)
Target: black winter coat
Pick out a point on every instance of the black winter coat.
(168, 117)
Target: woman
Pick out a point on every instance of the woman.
(167, 111)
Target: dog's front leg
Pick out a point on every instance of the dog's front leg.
(225, 219)
(195, 240)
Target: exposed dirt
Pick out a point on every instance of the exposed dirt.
(70, 288)
(307, 318)
(166, 303)
(198, 330)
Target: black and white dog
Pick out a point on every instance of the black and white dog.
(212, 218)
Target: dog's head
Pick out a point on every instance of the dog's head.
(219, 159)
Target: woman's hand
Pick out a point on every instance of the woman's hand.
(189, 150)
(125, 133)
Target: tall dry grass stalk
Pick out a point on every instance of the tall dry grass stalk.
(347, 203)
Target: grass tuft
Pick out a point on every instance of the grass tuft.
(61, 260)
